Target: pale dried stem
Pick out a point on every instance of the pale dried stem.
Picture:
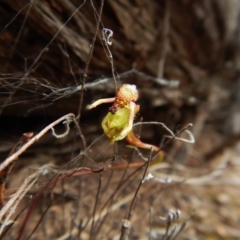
(69, 117)
(11, 205)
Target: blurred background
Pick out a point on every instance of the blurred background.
(182, 55)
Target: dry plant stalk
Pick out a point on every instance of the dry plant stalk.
(5, 172)
(67, 119)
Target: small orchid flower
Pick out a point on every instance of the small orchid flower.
(118, 123)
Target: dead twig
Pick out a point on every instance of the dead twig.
(89, 57)
(126, 223)
(67, 118)
(4, 173)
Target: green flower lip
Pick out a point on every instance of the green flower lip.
(118, 123)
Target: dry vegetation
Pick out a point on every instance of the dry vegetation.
(70, 183)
